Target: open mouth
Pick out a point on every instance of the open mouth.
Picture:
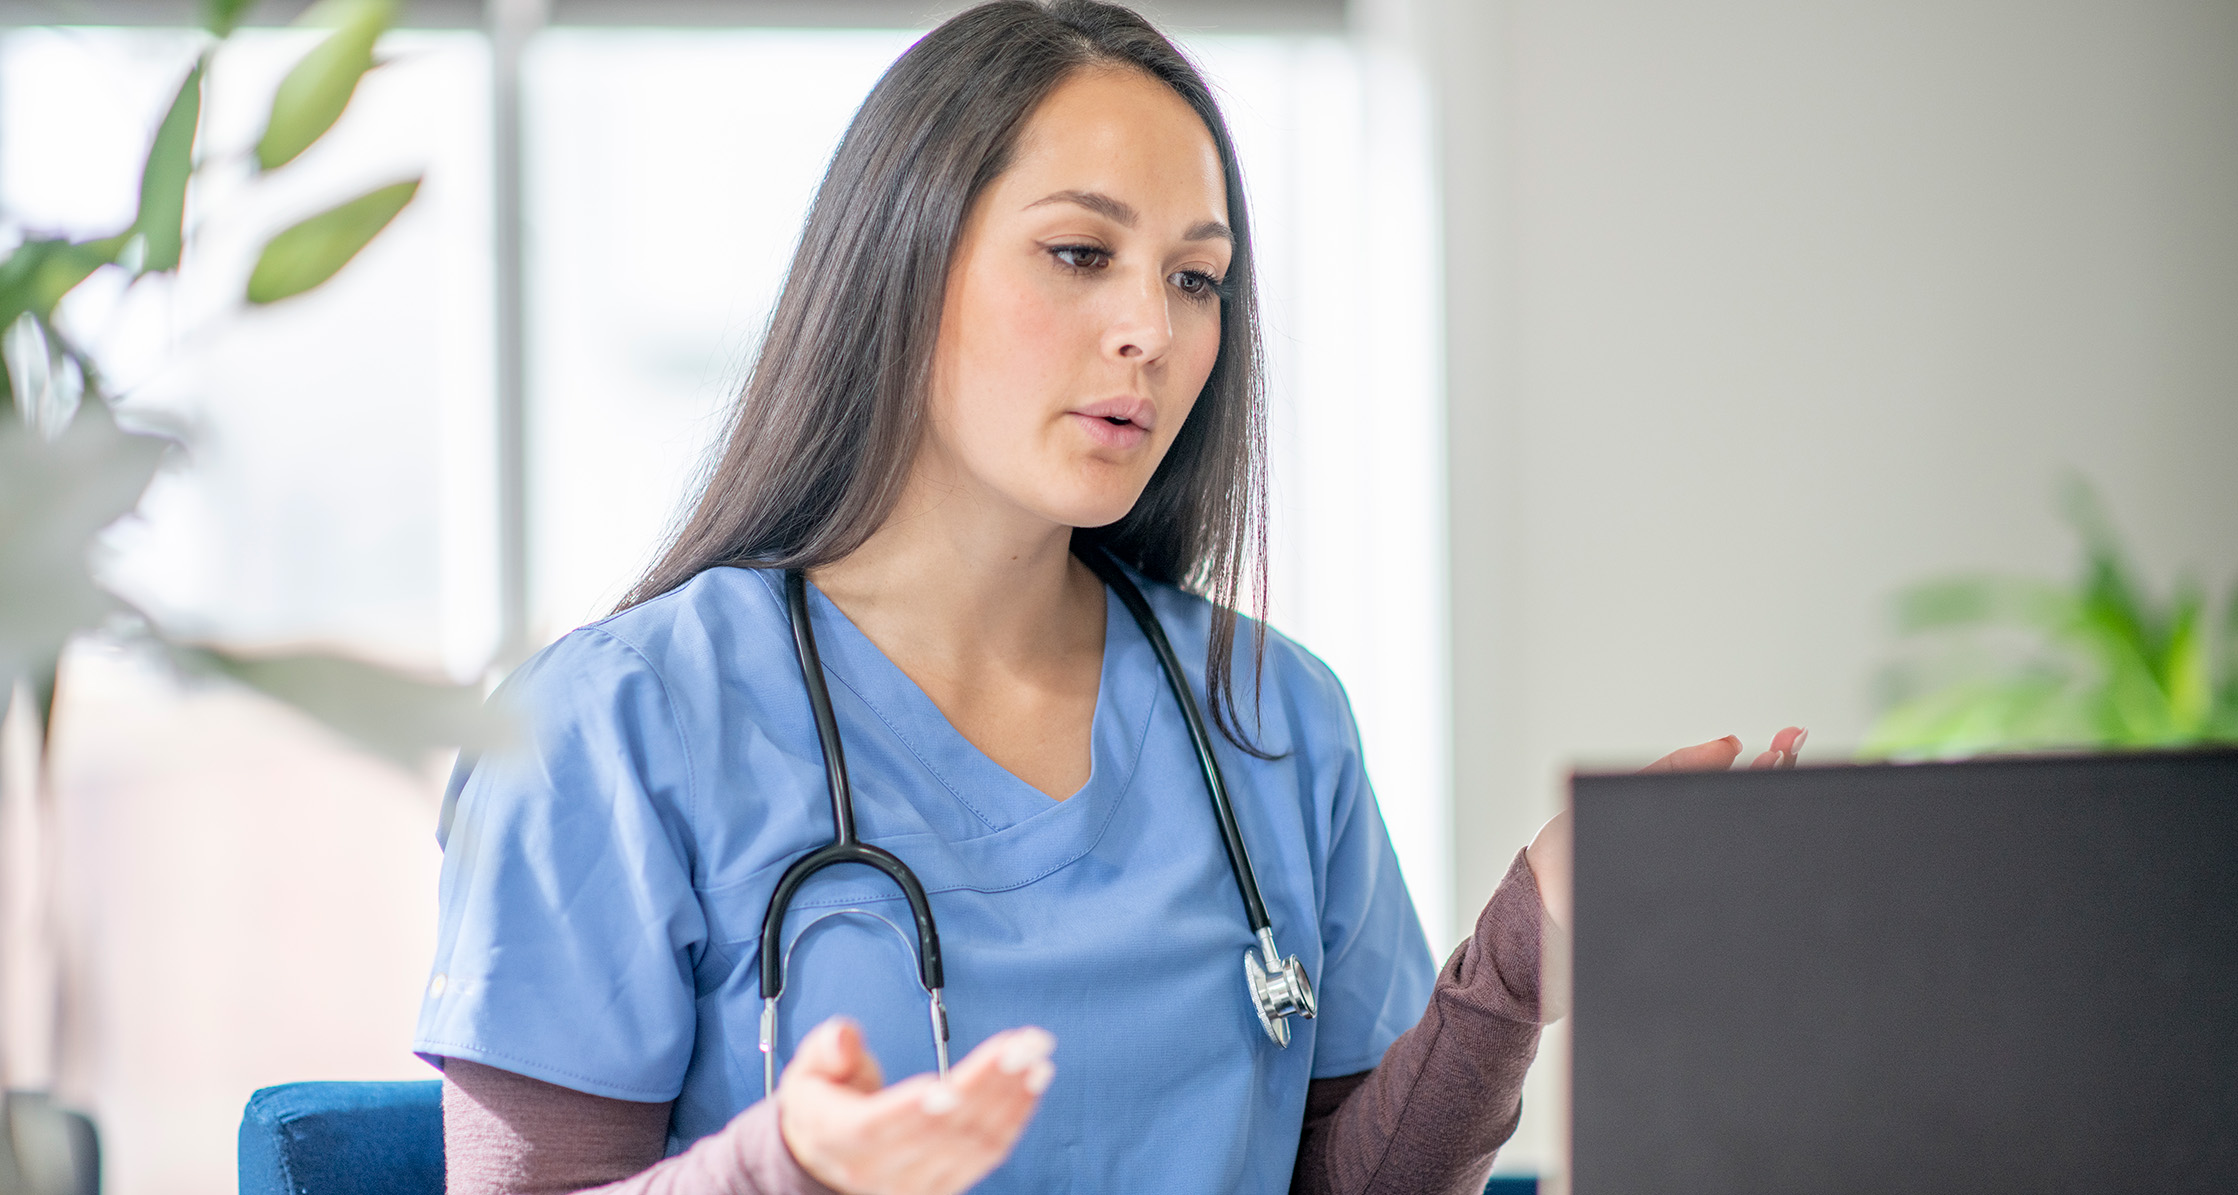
(1113, 431)
(1122, 421)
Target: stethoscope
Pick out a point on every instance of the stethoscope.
(1278, 986)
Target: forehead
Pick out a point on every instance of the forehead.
(1118, 131)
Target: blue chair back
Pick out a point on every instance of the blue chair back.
(344, 1139)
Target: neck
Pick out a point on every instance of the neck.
(960, 579)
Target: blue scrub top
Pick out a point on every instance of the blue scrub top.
(604, 883)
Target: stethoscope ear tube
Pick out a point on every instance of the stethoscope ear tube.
(843, 848)
(1100, 562)
(1277, 985)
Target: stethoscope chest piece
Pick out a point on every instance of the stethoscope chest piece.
(1279, 989)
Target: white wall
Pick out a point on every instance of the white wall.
(1758, 311)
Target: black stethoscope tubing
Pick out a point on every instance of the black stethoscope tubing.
(1216, 785)
(844, 847)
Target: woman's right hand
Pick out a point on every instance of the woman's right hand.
(921, 1136)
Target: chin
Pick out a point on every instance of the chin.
(1091, 507)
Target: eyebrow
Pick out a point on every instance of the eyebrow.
(1120, 213)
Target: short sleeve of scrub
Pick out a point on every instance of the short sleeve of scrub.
(569, 930)
(1376, 973)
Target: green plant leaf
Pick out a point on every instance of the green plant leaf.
(2133, 708)
(221, 17)
(313, 95)
(311, 252)
(2184, 670)
(1978, 601)
(397, 716)
(163, 181)
(2111, 599)
(1973, 717)
(7, 385)
(55, 497)
(2225, 719)
(37, 274)
(43, 674)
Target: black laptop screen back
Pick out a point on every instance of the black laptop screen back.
(2002, 976)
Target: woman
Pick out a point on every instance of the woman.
(1019, 329)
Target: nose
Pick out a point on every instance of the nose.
(1141, 329)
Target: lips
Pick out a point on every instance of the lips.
(1121, 422)
(1122, 410)
(1109, 432)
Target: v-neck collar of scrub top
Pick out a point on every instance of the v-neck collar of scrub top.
(1002, 832)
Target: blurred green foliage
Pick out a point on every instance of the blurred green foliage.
(309, 253)
(313, 95)
(69, 467)
(1998, 664)
(221, 16)
(163, 183)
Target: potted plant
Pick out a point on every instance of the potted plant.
(1997, 664)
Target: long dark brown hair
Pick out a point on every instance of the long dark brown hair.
(823, 436)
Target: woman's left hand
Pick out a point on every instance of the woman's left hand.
(921, 1136)
(1549, 853)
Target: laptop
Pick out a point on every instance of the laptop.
(2005, 975)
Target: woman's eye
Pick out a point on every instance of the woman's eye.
(1195, 283)
(1081, 257)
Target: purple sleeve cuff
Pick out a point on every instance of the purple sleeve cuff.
(1510, 942)
(769, 1167)
(507, 1134)
(748, 1157)
(1448, 1093)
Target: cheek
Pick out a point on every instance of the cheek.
(1202, 345)
(1012, 338)
(1196, 349)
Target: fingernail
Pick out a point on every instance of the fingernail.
(1039, 1078)
(1028, 1047)
(938, 1100)
(1796, 748)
